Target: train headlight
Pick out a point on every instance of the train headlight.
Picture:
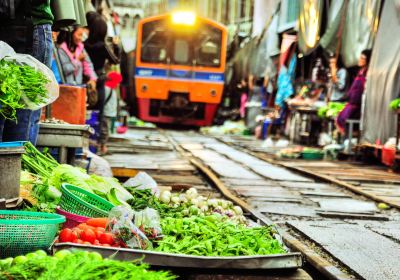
(144, 88)
(213, 92)
(185, 18)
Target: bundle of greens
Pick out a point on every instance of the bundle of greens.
(78, 265)
(215, 235)
(331, 110)
(19, 82)
(41, 164)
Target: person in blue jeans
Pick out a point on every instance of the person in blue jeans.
(42, 49)
(18, 33)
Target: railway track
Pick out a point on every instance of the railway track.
(268, 193)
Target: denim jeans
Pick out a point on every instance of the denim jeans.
(42, 51)
(20, 39)
(16, 130)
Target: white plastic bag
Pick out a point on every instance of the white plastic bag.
(143, 181)
(52, 87)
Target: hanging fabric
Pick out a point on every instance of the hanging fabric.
(383, 83)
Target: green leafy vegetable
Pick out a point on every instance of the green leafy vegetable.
(331, 110)
(395, 104)
(18, 82)
(78, 265)
(216, 236)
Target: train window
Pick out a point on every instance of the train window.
(181, 51)
(154, 39)
(208, 51)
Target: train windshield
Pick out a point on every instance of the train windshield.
(154, 38)
(208, 46)
(198, 47)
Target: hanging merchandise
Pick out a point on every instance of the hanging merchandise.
(309, 24)
(383, 83)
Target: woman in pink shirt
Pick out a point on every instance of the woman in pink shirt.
(75, 62)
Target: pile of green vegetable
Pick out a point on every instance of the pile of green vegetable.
(216, 235)
(395, 104)
(68, 265)
(331, 110)
(18, 82)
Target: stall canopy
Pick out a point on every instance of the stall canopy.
(330, 39)
(383, 80)
(309, 24)
(352, 31)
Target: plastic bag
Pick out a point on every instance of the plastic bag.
(143, 181)
(148, 221)
(121, 225)
(23, 59)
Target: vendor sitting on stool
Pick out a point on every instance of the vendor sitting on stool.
(353, 107)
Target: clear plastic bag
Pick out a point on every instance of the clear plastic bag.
(148, 221)
(143, 181)
(121, 225)
(52, 87)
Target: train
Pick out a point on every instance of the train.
(179, 68)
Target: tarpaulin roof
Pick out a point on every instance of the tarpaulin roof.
(358, 29)
(309, 24)
(383, 80)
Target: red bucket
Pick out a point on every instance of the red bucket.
(388, 155)
(72, 220)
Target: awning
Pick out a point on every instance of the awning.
(358, 30)
(383, 80)
(330, 40)
(309, 24)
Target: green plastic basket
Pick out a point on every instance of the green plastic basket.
(81, 202)
(22, 232)
(312, 155)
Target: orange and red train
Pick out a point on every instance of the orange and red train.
(180, 64)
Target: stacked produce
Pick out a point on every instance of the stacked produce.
(19, 82)
(331, 110)
(68, 265)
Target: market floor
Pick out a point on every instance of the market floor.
(346, 229)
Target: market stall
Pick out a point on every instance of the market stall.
(163, 228)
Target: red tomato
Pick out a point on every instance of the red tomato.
(106, 238)
(97, 222)
(88, 235)
(67, 235)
